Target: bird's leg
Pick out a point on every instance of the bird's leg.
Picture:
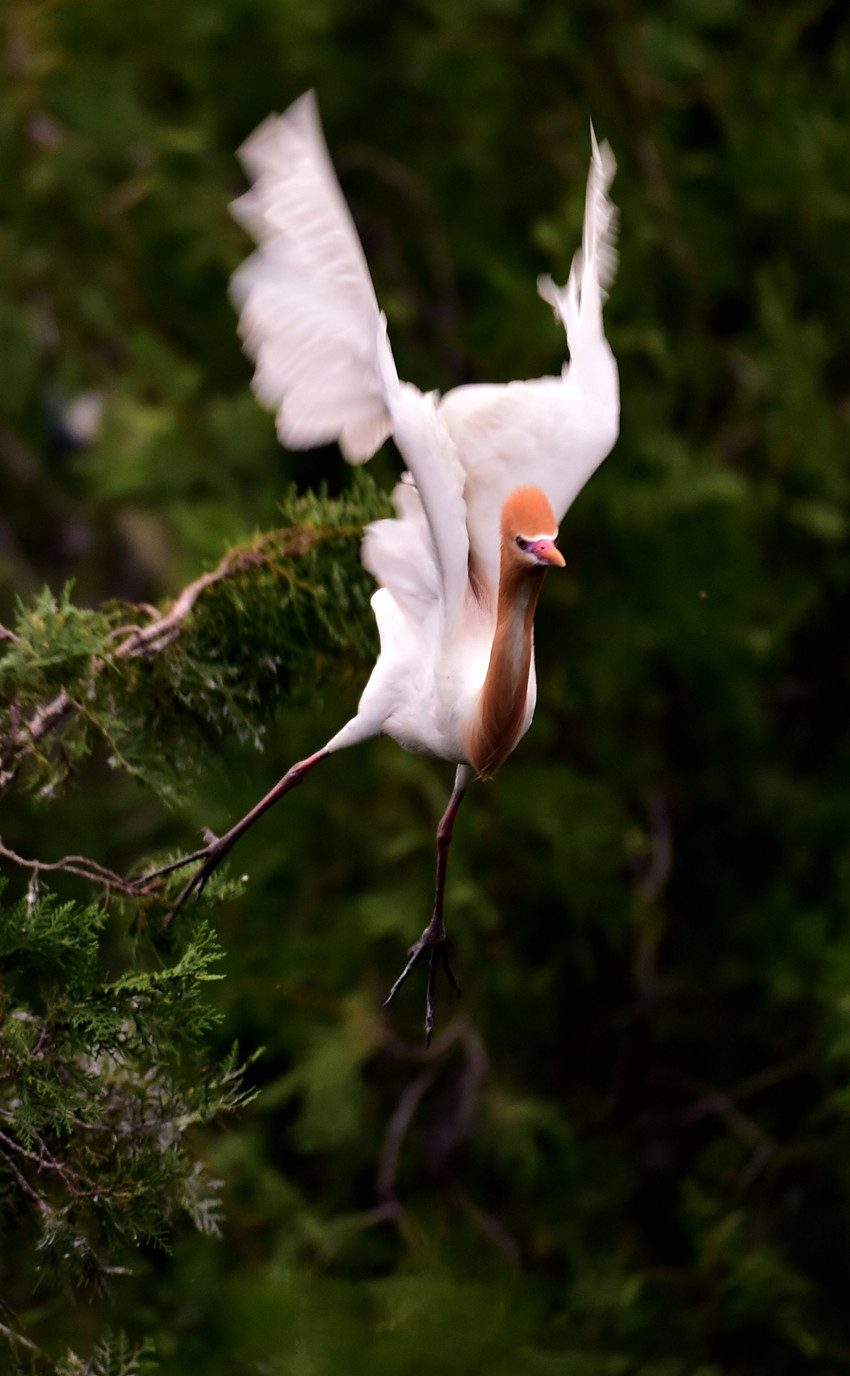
(217, 847)
(433, 938)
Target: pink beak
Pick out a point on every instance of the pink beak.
(547, 552)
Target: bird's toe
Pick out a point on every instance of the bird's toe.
(433, 941)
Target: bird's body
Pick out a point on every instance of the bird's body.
(459, 687)
(491, 469)
(426, 686)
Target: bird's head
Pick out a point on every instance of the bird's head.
(530, 531)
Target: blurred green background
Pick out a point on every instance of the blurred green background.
(629, 1151)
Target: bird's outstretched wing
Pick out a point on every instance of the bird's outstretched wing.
(308, 314)
(578, 305)
(549, 432)
(310, 321)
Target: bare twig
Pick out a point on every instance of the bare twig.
(79, 865)
(23, 1183)
(396, 1132)
(20, 1339)
(724, 1105)
(652, 883)
(45, 1160)
(492, 1228)
(46, 719)
(453, 1127)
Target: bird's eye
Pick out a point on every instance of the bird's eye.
(523, 544)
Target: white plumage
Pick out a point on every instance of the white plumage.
(491, 469)
(310, 320)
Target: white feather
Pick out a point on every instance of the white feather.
(310, 320)
(308, 314)
(549, 432)
(400, 554)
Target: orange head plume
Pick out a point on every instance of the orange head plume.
(529, 529)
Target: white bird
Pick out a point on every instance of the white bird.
(491, 470)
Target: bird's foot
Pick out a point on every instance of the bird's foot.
(433, 939)
(210, 858)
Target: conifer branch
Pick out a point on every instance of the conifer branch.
(292, 541)
(23, 1183)
(81, 1187)
(135, 642)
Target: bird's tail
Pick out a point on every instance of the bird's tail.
(579, 304)
(307, 310)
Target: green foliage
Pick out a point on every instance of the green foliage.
(293, 605)
(113, 1356)
(54, 646)
(101, 1090)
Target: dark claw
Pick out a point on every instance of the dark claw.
(416, 953)
(433, 939)
(210, 858)
(144, 879)
(429, 995)
(444, 956)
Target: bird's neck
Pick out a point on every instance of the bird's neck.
(504, 697)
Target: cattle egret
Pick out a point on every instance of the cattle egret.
(491, 470)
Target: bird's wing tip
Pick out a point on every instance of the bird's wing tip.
(602, 158)
(301, 118)
(547, 290)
